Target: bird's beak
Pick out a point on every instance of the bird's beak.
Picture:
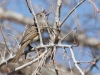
(48, 14)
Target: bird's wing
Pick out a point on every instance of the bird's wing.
(29, 34)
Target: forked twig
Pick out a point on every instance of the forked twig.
(75, 62)
(66, 55)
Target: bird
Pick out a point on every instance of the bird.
(31, 34)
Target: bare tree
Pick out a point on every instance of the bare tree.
(41, 59)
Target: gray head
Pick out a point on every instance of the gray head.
(41, 18)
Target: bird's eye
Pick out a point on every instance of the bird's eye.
(40, 15)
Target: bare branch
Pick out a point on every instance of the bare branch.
(57, 18)
(10, 15)
(55, 38)
(94, 5)
(32, 11)
(67, 34)
(66, 55)
(52, 7)
(71, 12)
(29, 63)
(75, 62)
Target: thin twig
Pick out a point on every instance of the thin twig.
(24, 30)
(48, 29)
(4, 38)
(94, 5)
(66, 55)
(66, 35)
(71, 12)
(41, 6)
(16, 42)
(39, 66)
(96, 60)
(52, 7)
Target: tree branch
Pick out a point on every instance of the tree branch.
(71, 12)
(13, 16)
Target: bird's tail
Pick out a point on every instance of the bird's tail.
(20, 51)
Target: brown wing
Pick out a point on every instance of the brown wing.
(30, 31)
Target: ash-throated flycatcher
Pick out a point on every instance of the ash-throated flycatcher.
(31, 34)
